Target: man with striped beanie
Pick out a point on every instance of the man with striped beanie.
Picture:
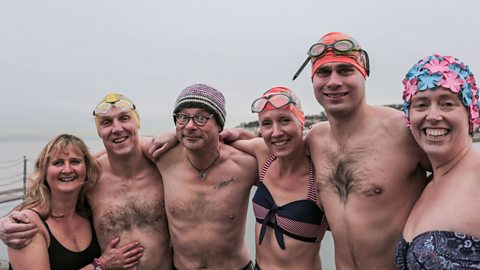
(204, 97)
(207, 186)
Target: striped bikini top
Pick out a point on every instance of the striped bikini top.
(302, 220)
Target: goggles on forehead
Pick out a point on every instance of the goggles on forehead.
(339, 46)
(123, 105)
(342, 46)
(276, 100)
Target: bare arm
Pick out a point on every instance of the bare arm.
(34, 254)
(234, 134)
(245, 141)
(154, 147)
(254, 147)
(16, 229)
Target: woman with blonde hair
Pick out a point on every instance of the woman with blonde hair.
(290, 223)
(64, 173)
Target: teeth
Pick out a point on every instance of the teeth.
(336, 95)
(280, 143)
(435, 132)
(119, 140)
(67, 179)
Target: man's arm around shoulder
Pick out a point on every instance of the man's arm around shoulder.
(16, 230)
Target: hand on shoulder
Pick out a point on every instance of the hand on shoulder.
(156, 146)
(18, 228)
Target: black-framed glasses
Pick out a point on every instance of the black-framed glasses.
(276, 100)
(342, 46)
(198, 119)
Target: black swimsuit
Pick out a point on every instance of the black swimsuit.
(63, 259)
(302, 220)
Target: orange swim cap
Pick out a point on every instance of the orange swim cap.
(357, 58)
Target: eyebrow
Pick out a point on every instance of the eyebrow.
(339, 65)
(344, 65)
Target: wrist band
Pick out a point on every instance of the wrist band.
(98, 264)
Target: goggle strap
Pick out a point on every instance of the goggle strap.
(301, 68)
(366, 61)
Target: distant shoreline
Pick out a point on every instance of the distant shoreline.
(322, 116)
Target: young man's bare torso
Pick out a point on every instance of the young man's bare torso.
(133, 209)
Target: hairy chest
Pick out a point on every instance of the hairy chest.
(359, 171)
(127, 214)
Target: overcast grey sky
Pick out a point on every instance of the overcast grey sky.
(59, 58)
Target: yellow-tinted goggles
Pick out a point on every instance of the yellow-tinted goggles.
(122, 105)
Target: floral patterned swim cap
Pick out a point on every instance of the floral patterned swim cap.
(443, 71)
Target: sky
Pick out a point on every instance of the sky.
(59, 58)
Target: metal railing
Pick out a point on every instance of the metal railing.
(13, 187)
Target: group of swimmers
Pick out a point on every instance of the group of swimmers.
(362, 175)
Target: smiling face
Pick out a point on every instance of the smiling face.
(66, 170)
(439, 121)
(194, 137)
(118, 130)
(281, 131)
(339, 87)
(436, 71)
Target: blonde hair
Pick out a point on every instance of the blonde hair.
(38, 191)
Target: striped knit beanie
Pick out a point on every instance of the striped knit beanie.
(203, 97)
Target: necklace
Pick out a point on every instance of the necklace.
(203, 173)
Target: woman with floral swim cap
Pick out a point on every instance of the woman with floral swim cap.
(441, 107)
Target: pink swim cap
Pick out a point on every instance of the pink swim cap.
(295, 107)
